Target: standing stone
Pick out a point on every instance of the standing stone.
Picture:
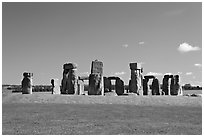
(165, 84)
(27, 83)
(145, 86)
(119, 86)
(177, 86)
(55, 86)
(81, 87)
(107, 84)
(96, 84)
(72, 82)
(136, 78)
(70, 78)
(155, 87)
(172, 87)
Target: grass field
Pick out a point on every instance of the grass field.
(43, 113)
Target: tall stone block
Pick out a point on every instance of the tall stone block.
(55, 86)
(95, 87)
(155, 87)
(107, 84)
(136, 78)
(96, 78)
(119, 86)
(70, 78)
(165, 84)
(177, 86)
(145, 86)
(97, 67)
(27, 83)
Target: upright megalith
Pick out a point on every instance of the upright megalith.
(107, 84)
(135, 84)
(177, 85)
(146, 85)
(27, 83)
(119, 86)
(70, 78)
(55, 86)
(155, 87)
(96, 78)
(168, 84)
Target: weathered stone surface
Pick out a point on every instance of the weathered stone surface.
(27, 83)
(172, 87)
(55, 86)
(96, 78)
(165, 84)
(81, 87)
(149, 77)
(155, 87)
(134, 66)
(107, 84)
(70, 66)
(95, 87)
(135, 85)
(177, 86)
(70, 78)
(119, 86)
(97, 67)
(72, 82)
(145, 86)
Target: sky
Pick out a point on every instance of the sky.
(41, 37)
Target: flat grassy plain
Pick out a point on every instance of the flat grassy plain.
(46, 114)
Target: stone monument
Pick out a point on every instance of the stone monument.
(27, 83)
(96, 79)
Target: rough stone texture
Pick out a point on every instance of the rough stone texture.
(81, 87)
(107, 84)
(55, 86)
(65, 82)
(135, 66)
(177, 86)
(70, 66)
(95, 84)
(119, 86)
(70, 78)
(72, 82)
(27, 83)
(172, 87)
(165, 84)
(135, 85)
(145, 86)
(155, 87)
(97, 67)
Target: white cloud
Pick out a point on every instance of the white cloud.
(198, 65)
(189, 73)
(125, 45)
(185, 47)
(120, 73)
(154, 73)
(141, 43)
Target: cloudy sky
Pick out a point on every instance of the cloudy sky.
(41, 37)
